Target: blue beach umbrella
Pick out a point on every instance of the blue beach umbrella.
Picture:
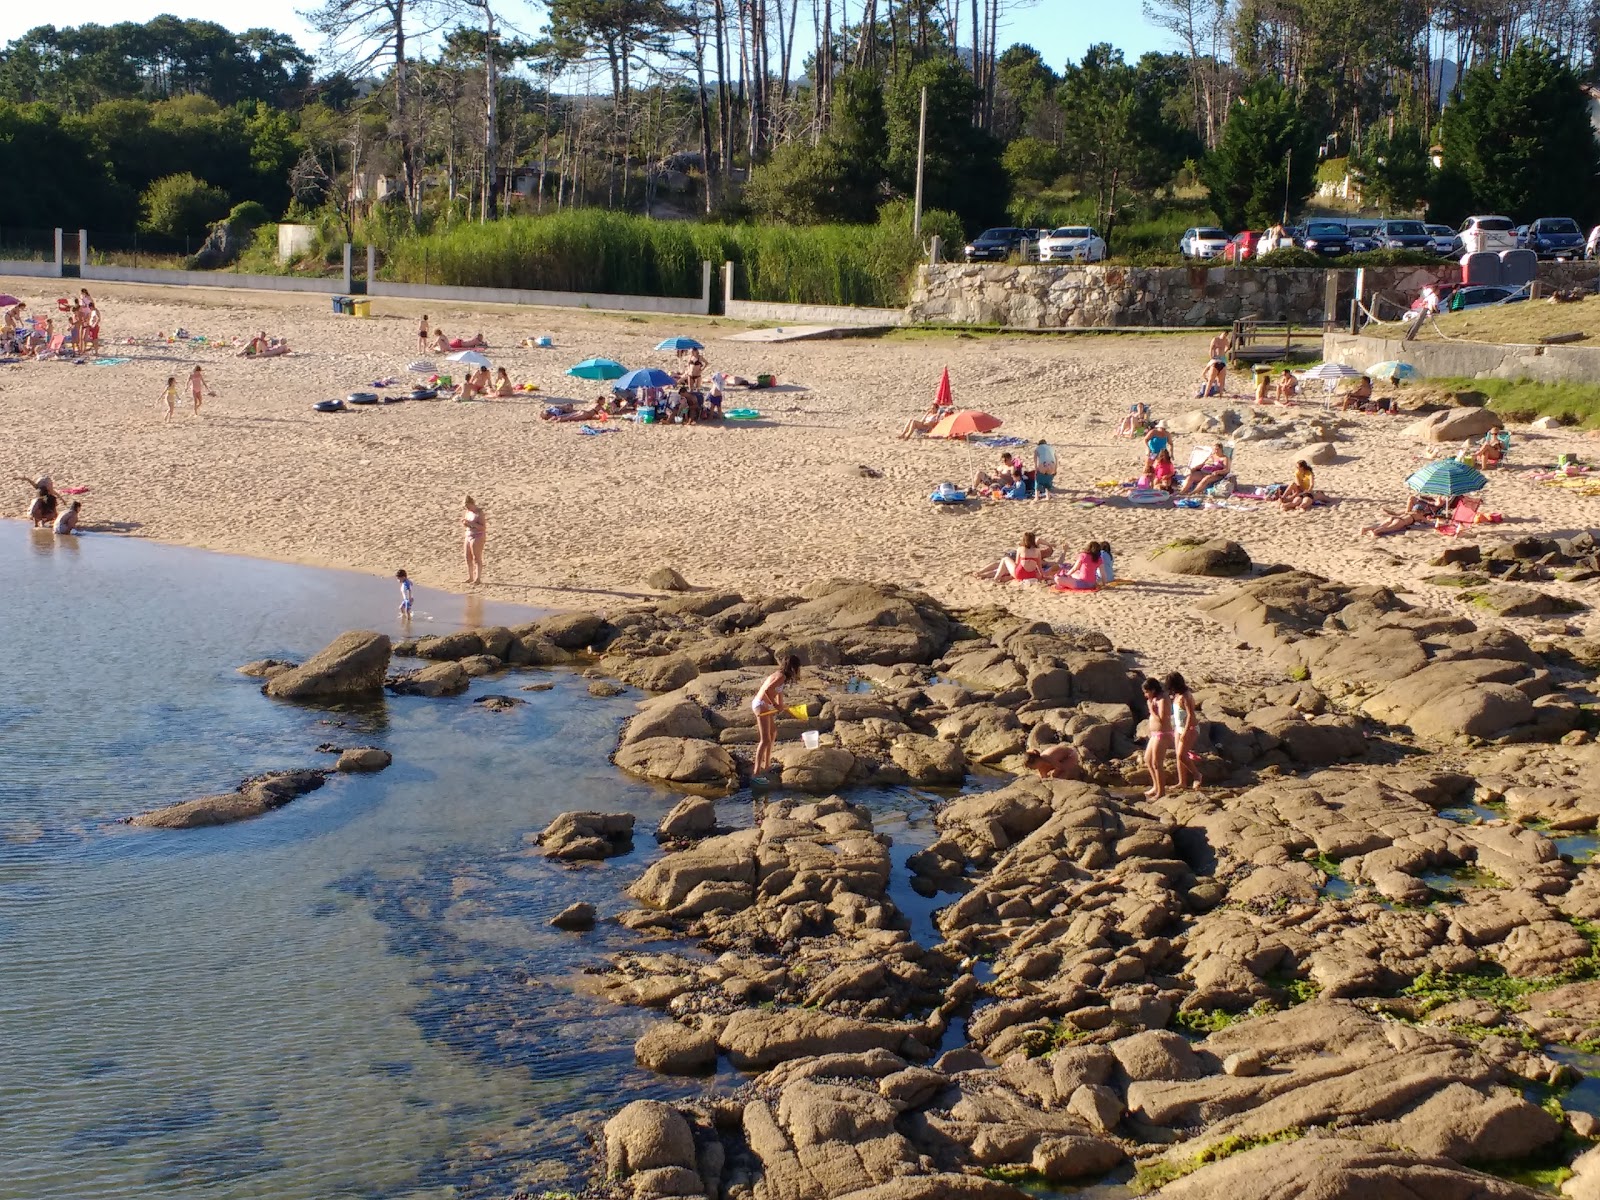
(1448, 478)
(680, 343)
(598, 368)
(644, 377)
(1394, 370)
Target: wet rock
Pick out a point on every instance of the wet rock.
(691, 817)
(266, 668)
(928, 761)
(760, 1038)
(535, 650)
(363, 759)
(587, 835)
(538, 687)
(1215, 557)
(575, 918)
(667, 882)
(253, 798)
(648, 1135)
(499, 703)
(669, 1048)
(478, 665)
(1513, 600)
(567, 630)
(605, 689)
(441, 679)
(868, 623)
(352, 665)
(450, 647)
(686, 763)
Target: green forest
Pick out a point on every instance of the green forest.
(445, 135)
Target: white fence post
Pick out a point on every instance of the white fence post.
(372, 266)
(727, 284)
(347, 257)
(83, 248)
(60, 258)
(705, 287)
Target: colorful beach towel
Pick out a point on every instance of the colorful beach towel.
(996, 441)
(591, 430)
(111, 362)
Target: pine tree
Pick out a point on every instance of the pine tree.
(1265, 162)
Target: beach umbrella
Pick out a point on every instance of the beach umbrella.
(1448, 478)
(598, 368)
(470, 358)
(644, 377)
(7, 300)
(1332, 370)
(680, 343)
(1393, 370)
(965, 423)
(422, 367)
(942, 397)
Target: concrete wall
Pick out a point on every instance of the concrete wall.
(597, 300)
(812, 314)
(223, 279)
(30, 268)
(1473, 360)
(1101, 297)
(294, 240)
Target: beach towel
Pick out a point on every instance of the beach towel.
(996, 441)
(948, 493)
(111, 362)
(591, 430)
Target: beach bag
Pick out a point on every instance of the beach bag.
(948, 493)
(1221, 491)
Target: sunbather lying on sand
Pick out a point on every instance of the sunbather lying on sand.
(1420, 511)
(565, 412)
(920, 425)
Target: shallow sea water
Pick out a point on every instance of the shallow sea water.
(355, 996)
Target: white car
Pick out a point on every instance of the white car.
(1072, 243)
(1203, 243)
(1491, 235)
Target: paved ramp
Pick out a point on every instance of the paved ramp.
(805, 333)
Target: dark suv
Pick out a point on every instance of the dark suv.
(997, 245)
(1555, 237)
(1327, 238)
(1404, 235)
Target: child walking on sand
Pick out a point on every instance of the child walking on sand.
(171, 395)
(422, 334)
(405, 595)
(1160, 725)
(197, 385)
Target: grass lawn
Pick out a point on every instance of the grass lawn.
(1522, 323)
(1523, 399)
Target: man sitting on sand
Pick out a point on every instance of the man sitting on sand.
(1004, 477)
(1288, 387)
(441, 343)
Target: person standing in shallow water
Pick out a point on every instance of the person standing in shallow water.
(476, 530)
(766, 705)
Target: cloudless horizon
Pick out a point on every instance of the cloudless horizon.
(1061, 30)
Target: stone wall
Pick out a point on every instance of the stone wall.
(1112, 297)
(1471, 360)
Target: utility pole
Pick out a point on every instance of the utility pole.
(1288, 169)
(922, 150)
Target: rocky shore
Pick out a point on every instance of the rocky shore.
(1360, 962)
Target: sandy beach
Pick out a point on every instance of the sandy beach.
(764, 507)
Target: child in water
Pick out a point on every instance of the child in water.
(405, 595)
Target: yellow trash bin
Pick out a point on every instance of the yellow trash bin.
(361, 308)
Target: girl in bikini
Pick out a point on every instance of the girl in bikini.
(1185, 729)
(766, 705)
(1028, 563)
(477, 530)
(1160, 734)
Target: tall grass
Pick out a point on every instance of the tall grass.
(1571, 403)
(587, 250)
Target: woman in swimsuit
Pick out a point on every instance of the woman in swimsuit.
(1028, 563)
(502, 385)
(766, 705)
(477, 530)
(43, 509)
(1185, 729)
(1160, 733)
(1085, 573)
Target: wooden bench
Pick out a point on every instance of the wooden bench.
(1256, 341)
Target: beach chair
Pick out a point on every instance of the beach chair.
(55, 346)
(1465, 512)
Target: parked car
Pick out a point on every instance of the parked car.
(997, 245)
(1482, 296)
(1491, 235)
(1445, 241)
(1327, 238)
(1072, 243)
(1555, 237)
(1404, 235)
(1242, 246)
(1522, 237)
(1203, 243)
(1364, 236)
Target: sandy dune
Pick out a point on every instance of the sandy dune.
(577, 520)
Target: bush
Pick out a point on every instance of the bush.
(248, 215)
(182, 205)
(1289, 256)
(1393, 258)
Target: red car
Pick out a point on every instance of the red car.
(1241, 246)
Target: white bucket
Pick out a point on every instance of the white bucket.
(811, 738)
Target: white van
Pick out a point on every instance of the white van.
(1490, 235)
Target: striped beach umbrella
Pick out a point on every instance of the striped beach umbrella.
(1448, 478)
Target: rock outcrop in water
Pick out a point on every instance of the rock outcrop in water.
(352, 666)
(252, 798)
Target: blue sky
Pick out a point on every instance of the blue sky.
(1058, 29)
